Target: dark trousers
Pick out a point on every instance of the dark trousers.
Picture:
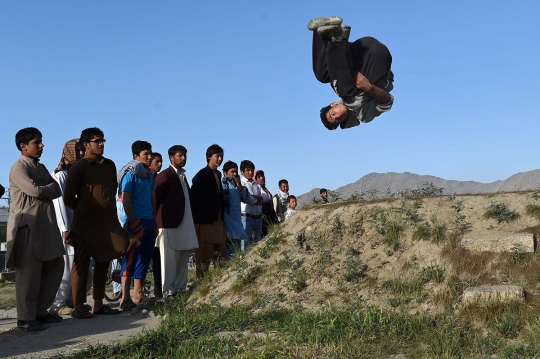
(338, 62)
(156, 267)
(79, 276)
(208, 253)
(37, 281)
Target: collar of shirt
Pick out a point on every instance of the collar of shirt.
(91, 160)
(180, 172)
(30, 160)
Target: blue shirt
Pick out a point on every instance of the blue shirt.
(141, 194)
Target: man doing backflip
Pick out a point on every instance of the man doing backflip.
(359, 73)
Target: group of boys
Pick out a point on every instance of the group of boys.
(157, 216)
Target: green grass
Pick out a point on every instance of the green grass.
(7, 295)
(356, 331)
(533, 210)
(500, 212)
(392, 234)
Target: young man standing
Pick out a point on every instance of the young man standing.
(280, 199)
(95, 232)
(33, 245)
(137, 187)
(155, 167)
(177, 236)
(72, 152)
(358, 72)
(207, 206)
(252, 213)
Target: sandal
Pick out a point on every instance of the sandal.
(127, 305)
(143, 300)
(81, 313)
(106, 310)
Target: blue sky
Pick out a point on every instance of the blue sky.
(238, 73)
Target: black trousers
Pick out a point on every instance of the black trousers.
(156, 267)
(338, 62)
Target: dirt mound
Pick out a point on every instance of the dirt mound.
(402, 253)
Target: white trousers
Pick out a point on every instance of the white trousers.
(63, 295)
(174, 268)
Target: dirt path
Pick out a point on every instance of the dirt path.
(71, 335)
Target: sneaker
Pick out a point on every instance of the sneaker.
(61, 310)
(335, 33)
(50, 318)
(314, 24)
(330, 31)
(31, 326)
(345, 33)
(127, 305)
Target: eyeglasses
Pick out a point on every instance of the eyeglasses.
(98, 141)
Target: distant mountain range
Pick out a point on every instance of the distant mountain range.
(395, 182)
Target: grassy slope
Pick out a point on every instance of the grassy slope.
(303, 295)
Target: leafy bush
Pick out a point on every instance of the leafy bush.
(500, 212)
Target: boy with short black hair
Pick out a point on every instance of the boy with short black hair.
(156, 164)
(280, 199)
(207, 207)
(324, 195)
(155, 167)
(359, 72)
(137, 187)
(33, 245)
(252, 213)
(291, 200)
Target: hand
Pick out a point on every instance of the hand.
(68, 238)
(362, 82)
(135, 228)
(238, 182)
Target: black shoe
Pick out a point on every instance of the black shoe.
(50, 318)
(31, 326)
(158, 292)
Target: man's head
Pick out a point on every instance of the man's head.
(156, 163)
(333, 114)
(214, 156)
(324, 193)
(93, 141)
(283, 185)
(72, 152)
(80, 151)
(142, 152)
(28, 141)
(230, 169)
(292, 202)
(247, 167)
(178, 156)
